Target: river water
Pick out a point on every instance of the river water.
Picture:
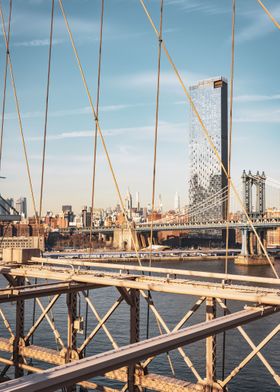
(254, 377)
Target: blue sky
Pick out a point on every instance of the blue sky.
(197, 34)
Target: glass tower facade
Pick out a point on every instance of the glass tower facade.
(207, 180)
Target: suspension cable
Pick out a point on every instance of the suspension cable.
(196, 207)
(155, 158)
(271, 17)
(18, 113)
(207, 208)
(46, 112)
(94, 153)
(5, 84)
(156, 129)
(207, 202)
(99, 129)
(230, 130)
(229, 171)
(44, 148)
(97, 113)
(208, 137)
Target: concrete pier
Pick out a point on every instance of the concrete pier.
(252, 260)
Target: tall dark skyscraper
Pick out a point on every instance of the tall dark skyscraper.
(206, 176)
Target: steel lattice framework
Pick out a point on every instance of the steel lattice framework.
(127, 364)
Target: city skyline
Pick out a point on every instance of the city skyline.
(128, 97)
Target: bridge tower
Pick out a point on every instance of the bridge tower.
(254, 208)
(254, 202)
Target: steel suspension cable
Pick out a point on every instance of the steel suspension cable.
(94, 153)
(271, 17)
(207, 208)
(46, 112)
(221, 193)
(208, 137)
(97, 113)
(207, 202)
(230, 129)
(154, 170)
(156, 128)
(229, 169)
(44, 147)
(5, 84)
(18, 114)
(99, 128)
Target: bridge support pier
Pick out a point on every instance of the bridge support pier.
(251, 251)
(123, 239)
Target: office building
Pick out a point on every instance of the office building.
(66, 208)
(21, 206)
(177, 202)
(206, 176)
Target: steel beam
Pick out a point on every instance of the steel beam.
(71, 301)
(210, 343)
(19, 335)
(259, 295)
(96, 365)
(134, 336)
(35, 291)
(158, 270)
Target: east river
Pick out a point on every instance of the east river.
(254, 377)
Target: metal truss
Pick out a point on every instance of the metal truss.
(210, 289)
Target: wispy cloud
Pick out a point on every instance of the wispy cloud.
(258, 25)
(168, 131)
(214, 7)
(73, 112)
(258, 116)
(257, 98)
(39, 42)
(144, 80)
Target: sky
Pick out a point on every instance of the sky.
(197, 34)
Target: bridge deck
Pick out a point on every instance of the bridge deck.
(145, 227)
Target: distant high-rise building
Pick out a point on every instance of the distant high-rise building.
(159, 203)
(86, 217)
(128, 200)
(177, 202)
(137, 201)
(66, 208)
(206, 176)
(21, 206)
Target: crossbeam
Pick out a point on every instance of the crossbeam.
(165, 271)
(259, 295)
(86, 368)
(35, 291)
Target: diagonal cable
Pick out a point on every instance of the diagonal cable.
(5, 84)
(18, 113)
